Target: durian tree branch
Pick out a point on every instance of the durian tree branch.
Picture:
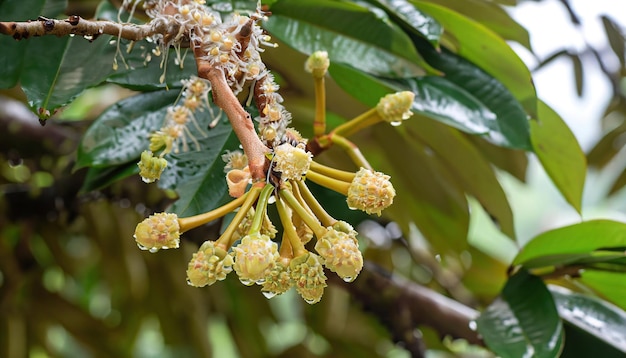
(76, 25)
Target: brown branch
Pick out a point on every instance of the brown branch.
(75, 25)
(240, 120)
(394, 299)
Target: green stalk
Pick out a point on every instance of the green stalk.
(353, 151)
(259, 214)
(337, 185)
(314, 205)
(364, 120)
(193, 222)
(289, 230)
(319, 124)
(332, 172)
(224, 239)
(311, 222)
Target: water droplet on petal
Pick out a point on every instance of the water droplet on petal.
(348, 279)
(246, 282)
(268, 294)
(352, 207)
(153, 250)
(260, 282)
(396, 123)
(189, 282)
(311, 301)
(141, 247)
(72, 35)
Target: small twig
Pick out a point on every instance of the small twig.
(75, 25)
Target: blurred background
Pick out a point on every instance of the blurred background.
(74, 284)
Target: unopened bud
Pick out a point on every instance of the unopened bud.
(308, 276)
(370, 191)
(396, 107)
(340, 250)
(151, 167)
(159, 231)
(292, 162)
(254, 255)
(317, 64)
(208, 265)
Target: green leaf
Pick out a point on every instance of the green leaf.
(560, 155)
(410, 17)
(568, 242)
(598, 318)
(14, 53)
(351, 34)
(492, 16)
(120, 133)
(524, 322)
(486, 50)
(198, 176)
(609, 285)
(616, 38)
(510, 126)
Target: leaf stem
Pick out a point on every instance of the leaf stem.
(193, 222)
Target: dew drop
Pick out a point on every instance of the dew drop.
(352, 208)
(153, 250)
(88, 38)
(348, 279)
(72, 35)
(141, 247)
(112, 42)
(311, 300)
(189, 282)
(147, 180)
(260, 282)
(396, 123)
(268, 294)
(473, 326)
(246, 282)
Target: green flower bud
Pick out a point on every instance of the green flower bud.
(254, 256)
(308, 276)
(317, 63)
(370, 191)
(396, 107)
(278, 280)
(159, 231)
(208, 265)
(340, 250)
(151, 167)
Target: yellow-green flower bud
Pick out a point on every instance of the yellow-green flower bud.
(159, 231)
(160, 139)
(370, 191)
(340, 250)
(234, 160)
(292, 162)
(208, 265)
(278, 280)
(308, 276)
(317, 63)
(254, 256)
(151, 167)
(396, 107)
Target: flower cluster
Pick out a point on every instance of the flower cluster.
(249, 245)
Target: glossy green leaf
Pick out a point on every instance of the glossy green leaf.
(351, 34)
(410, 17)
(15, 53)
(492, 16)
(578, 239)
(524, 322)
(598, 318)
(488, 51)
(121, 132)
(560, 155)
(609, 285)
(198, 176)
(510, 126)
(514, 162)
(448, 99)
